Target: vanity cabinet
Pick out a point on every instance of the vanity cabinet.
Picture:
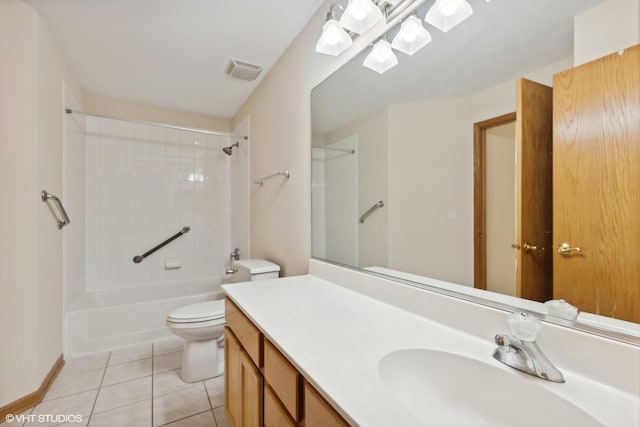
(262, 387)
(244, 383)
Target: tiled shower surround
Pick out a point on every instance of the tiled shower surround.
(144, 183)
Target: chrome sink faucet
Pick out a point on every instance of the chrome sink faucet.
(521, 351)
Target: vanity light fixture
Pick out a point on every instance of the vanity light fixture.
(334, 39)
(360, 15)
(381, 58)
(446, 14)
(412, 36)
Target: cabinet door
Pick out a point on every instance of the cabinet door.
(251, 385)
(275, 415)
(232, 385)
(318, 412)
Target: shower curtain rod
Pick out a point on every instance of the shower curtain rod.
(344, 150)
(143, 122)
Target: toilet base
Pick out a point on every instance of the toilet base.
(200, 360)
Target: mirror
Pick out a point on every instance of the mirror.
(393, 153)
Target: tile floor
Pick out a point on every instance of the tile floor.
(138, 386)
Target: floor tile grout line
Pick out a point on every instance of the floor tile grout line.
(133, 402)
(129, 361)
(169, 352)
(66, 375)
(67, 395)
(153, 354)
(191, 385)
(108, 363)
(125, 381)
(206, 390)
(189, 416)
(99, 388)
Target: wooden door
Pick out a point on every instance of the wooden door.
(596, 185)
(533, 190)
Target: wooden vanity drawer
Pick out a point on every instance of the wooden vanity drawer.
(249, 336)
(275, 415)
(284, 379)
(318, 412)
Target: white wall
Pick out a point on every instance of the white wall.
(318, 199)
(341, 201)
(280, 115)
(74, 182)
(144, 184)
(281, 134)
(31, 137)
(240, 187)
(605, 29)
(431, 188)
(500, 202)
(118, 108)
(372, 184)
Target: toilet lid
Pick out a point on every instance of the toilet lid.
(198, 312)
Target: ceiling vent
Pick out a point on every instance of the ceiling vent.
(242, 70)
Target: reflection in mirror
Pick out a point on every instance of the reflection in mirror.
(411, 130)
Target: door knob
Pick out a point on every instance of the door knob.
(527, 247)
(566, 249)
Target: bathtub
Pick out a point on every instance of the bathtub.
(105, 320)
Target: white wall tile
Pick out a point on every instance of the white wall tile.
(146, 183)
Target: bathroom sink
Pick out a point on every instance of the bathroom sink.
(446, 389)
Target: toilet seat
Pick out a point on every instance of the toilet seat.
(199, 312)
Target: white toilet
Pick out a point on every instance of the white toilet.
(202, 324)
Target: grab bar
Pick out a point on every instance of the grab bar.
(46, 196)
(371, 210)
(261, 181)
(138, 258)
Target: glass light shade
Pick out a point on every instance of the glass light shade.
(334, 39)
(360, 15)
(446, 14)
(412, 36)
(381, 57)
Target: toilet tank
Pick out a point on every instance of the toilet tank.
(255, 269)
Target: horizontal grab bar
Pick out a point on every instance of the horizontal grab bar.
(371, 210)
(138, 258)
(46, 196)
(284, 173)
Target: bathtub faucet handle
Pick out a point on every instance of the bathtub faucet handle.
(234, 256)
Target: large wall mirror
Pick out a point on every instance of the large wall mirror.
(395, 161)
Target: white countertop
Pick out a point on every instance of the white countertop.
(336, 337)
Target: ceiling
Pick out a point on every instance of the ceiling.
(173, 53)
(502, 40)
